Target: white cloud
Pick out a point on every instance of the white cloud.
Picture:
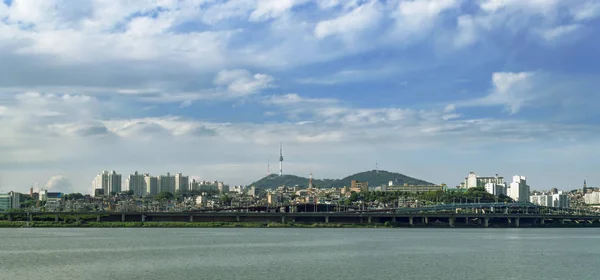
(512, 90)
(587, 11)
(416, 18)
(241, 82)
(59, 183)
(351, 24)
(466, 31)
(560, 31)
(268, 9)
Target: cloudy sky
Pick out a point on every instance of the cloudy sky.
(429, 88)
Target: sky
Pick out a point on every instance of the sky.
(430, 89)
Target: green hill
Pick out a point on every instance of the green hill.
(375, 178)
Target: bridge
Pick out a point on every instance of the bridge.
(397, 218)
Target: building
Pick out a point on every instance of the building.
(166, 183)
(519, 190)
(136, 182)
(561, 200)
(274, 198)
(541, 200)
(11, 200)
(411, 188)
(495, 188)
(474, 181)
(356, 186)
(592, 198)
(151, 184)
(181, 182)
(109, 182)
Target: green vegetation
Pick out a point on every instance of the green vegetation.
(45, 224)
(164, 195)
(375, 178)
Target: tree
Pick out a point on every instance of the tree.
(225, 200)
(164, 195)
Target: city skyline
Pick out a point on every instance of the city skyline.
(430, 89)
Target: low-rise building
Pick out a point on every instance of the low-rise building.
(411, 188)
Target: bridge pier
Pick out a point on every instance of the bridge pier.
(191, 218)
(98, 218)
(542, 221)
(143, 218)
(466, 220)
(123, 218)
(56, 218)
(517, 222)
(369, 219)
(451, 221)
(237, 218)
(410, 221)
(10, 217)
(77, 218)
(425, 220)
(283, 219)
(394, 219)
(486, 222)
(327, 219)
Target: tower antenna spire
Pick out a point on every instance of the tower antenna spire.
(280, 158)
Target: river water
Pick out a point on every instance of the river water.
(130, 253)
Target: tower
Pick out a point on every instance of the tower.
(584, 186)
(280, 159)
(310, 184)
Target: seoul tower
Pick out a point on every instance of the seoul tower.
(280, 159)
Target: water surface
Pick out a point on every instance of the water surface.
(132, 253)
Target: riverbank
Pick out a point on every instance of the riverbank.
(44, 224)
(88, 224)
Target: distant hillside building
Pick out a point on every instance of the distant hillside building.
(356, 186)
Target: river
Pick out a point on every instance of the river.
(283, 253)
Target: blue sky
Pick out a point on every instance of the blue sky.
(430, 89)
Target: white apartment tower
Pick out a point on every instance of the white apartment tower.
(519, 190)
(166, 183)
(151, 184)
(137, 183)
(181, 182)
(110, 182)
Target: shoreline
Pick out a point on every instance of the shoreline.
(47, 224)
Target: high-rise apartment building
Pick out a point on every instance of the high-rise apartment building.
(181, 182)
(136, 182)
(519, 190)
(166, 183)
(109, 182)
(151, 184)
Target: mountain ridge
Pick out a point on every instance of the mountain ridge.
(373, 177)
